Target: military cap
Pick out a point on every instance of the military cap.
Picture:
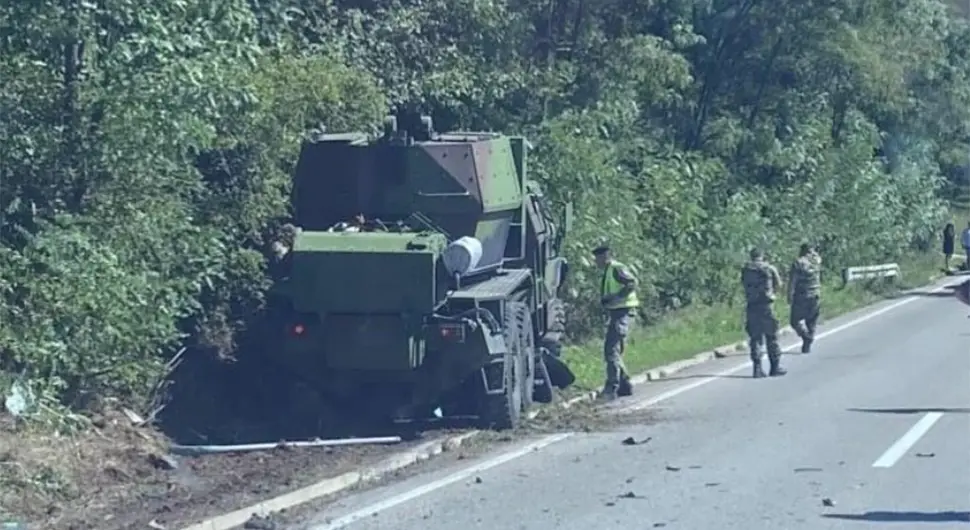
(756, 253)
(601, 249)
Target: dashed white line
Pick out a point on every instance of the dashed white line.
(500, 459)
(908, 440)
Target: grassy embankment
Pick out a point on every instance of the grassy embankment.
(699, 329)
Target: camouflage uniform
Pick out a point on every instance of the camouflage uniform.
(805, 296)
(761, 281)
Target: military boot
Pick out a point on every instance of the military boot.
(757, 372)
(807, 344)
(776, 369)
(625, 389)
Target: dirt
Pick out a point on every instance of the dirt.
(113, 477)
(116, 475)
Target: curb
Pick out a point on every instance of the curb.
(336, 484)
(429, 450)
(435, 447)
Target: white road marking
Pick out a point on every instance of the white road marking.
(747, 364)
(908, 440)
(386, 504)
(464, 474)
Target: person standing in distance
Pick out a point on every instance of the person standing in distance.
(804, 294)
(949, 235)
(761, 281)
(965, 240)
(618, 296)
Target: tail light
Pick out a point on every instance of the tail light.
(452, 332)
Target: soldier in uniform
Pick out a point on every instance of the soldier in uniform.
(761, 281)
(804, 292)
(618, 296)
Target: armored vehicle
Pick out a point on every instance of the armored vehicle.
(423, 275)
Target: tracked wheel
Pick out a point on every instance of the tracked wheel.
(504, 411)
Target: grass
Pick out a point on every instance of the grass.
(699, 329)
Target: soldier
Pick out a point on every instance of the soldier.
(804, 292)
(618, 297)
(761, 281)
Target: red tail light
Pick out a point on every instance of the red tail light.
(452, 332)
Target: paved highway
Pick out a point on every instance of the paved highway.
(871, 428)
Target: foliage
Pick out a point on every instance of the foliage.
(146, 148)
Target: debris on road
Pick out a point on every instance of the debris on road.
(631, 495)
(925, 455)
(807, 469)
(633, 441)
(828, 502)
(672, 468)
(197, 450)
(258, 522)
(163, 462)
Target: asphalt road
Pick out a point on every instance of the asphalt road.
(871, 428)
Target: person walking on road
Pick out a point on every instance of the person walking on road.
(761, 282)
(949, 235)
(804, 294)
(965, 240)
(618, 296)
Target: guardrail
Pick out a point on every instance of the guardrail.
(867, 272)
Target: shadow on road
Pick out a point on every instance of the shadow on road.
(945, 410)
(706, 376)
(950, 291)
(902, 517)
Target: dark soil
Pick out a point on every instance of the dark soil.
(111, 477)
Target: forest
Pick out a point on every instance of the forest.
(146, 148)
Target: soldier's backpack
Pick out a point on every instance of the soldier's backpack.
(757, 283)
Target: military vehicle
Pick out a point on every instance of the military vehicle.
(423, 275)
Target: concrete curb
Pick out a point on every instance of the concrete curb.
(410, 457)
(336, 484)
(435, 447)
(665, 371)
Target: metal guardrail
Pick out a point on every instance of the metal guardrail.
(867, 272)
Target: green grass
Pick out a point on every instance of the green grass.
(694, 330)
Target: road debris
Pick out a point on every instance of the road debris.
(633, 441)
(807, 469)
(672, 468)
(925, 455)
(630, 495)
(259, 522)
(196, 450)
(163, 462)
(828, 502)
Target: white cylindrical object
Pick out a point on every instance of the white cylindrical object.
(462, 255)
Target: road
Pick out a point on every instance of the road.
(872, 427)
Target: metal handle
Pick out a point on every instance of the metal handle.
(453, 194)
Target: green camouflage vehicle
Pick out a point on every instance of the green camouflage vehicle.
(423, 275)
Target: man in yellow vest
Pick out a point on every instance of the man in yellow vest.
(618, 296)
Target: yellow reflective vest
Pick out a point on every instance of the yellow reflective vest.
(612, 287)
